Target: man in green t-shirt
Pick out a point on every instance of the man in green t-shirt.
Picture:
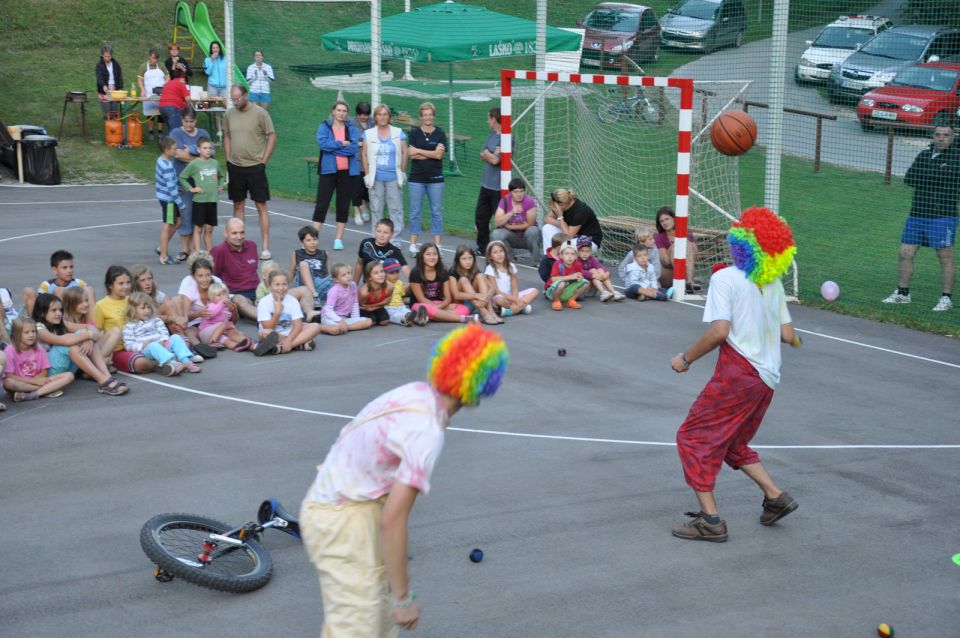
(208, 181)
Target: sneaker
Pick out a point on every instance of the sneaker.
(267, 346)
(414, 249)
(477, 252)
(170, 369)
(25, 396)
(307, 347)
(945, 303)
(775, 509)
(407, 320)
(168, 261)
(265, 255)
(358, 220)
(670, 292)
(337, 244)
(896, 297)
(556, 304)
(196, 358)
(574, 304)
(606, 295)
(422, 317)
(527, 309)
(190, 366)
(619, 296)
(54, 395)
(205, 350)
(366, 215)
(699, 529)
(506, 312)
(246, 344)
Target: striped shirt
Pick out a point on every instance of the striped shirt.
(166, 178)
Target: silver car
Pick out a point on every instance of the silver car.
(704, 25)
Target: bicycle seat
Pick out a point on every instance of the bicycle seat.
(272, 508)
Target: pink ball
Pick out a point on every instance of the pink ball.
(829, 290)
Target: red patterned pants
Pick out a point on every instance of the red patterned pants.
(722, 421)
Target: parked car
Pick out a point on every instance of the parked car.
(704, 25)
(835, 43)
(921, 96)
(617, 29)
(883, 56)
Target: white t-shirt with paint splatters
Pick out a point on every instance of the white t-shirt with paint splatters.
(755, 315)
(400, 442)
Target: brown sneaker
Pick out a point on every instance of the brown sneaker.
(700, 530)
(775, 509)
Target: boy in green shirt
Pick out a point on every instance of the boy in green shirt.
(208, 182)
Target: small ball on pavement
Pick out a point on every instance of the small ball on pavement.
(562, 352)
(476, 555)
(884, 630)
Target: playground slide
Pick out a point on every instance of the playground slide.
(200, 30)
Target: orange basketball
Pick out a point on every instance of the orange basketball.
(733, 133)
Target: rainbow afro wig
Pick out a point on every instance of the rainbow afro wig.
(468, 363)
(761, 245)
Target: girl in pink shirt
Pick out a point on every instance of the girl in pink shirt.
(343, 304)
(26, 372)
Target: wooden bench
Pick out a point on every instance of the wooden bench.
(312, 164)
(618, 239)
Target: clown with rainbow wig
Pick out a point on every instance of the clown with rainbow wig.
(748, 319)
(353, 519)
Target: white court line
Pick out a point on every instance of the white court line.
(71, 185)
(90, 201)
(554, 437)
(848, 341)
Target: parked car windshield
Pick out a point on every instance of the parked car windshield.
(842, 37)
(925, 77)
(896, 46)
(612, 20)
(702, 9)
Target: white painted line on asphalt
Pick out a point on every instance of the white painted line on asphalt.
(70, 230)
(554, 437)
(91, 201)
(71, 185)
(867, 345)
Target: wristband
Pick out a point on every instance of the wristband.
(683, 360)
(403, 602)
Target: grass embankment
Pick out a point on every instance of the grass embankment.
(847, 222)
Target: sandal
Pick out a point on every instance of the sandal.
(216, 345)
(181, 256)
(246, 344)
(25, 396)
(53, 395)
(205, 351)
(268, 345)
(112, 387)
(3, 406)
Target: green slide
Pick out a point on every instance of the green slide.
(200, 29)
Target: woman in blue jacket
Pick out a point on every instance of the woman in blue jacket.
(215, 67)
(339, 142)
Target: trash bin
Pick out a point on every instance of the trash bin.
(40, 164)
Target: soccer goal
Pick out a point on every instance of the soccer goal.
(628, 145)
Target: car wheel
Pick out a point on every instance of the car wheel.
(943, 118)
(739, 41)
(867, 126)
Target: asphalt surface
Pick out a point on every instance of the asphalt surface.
(843, 141)
(576, 530)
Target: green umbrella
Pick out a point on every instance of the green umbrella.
(450, 32)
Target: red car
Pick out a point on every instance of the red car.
(921, 96)
(615, 30)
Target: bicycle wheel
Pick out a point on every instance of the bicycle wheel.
(173, 542)
(609, 113)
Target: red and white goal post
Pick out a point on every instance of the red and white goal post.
(685, 117)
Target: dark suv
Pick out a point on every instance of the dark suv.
(704, 25)
(617, 29)
(879, 60)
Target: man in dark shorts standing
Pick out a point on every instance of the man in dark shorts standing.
(248, 141)
(489, 197)
(235, 263)
(935, 179)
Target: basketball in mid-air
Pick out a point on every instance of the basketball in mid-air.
(733, 133)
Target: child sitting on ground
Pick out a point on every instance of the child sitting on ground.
(142, 280)
(71, 351)
(566, 283)
(146, 333)
(343, 304)
(218, 328)
(430, 290)
(375, 294)
(309, 266)
(595, 272)
(78, 318)
(641, 281)
(551, 255)
(379, 248)
(642, 238)
(280, 320)
(61, 265)
(209, 181)
(469, 286)
(168, 194)
(397, 310)
(501, 276)
(26, 374)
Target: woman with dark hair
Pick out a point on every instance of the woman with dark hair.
(111, 312)
(215, 66)
(173, 98)
(572, 217)
(361, 197)
(192, 298)
(260, 75)
(516, 220)
(338, 169)
(666, 221)
(109, 78)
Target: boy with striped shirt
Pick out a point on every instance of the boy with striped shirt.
(168, 194)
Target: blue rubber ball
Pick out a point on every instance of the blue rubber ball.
(476, 555)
